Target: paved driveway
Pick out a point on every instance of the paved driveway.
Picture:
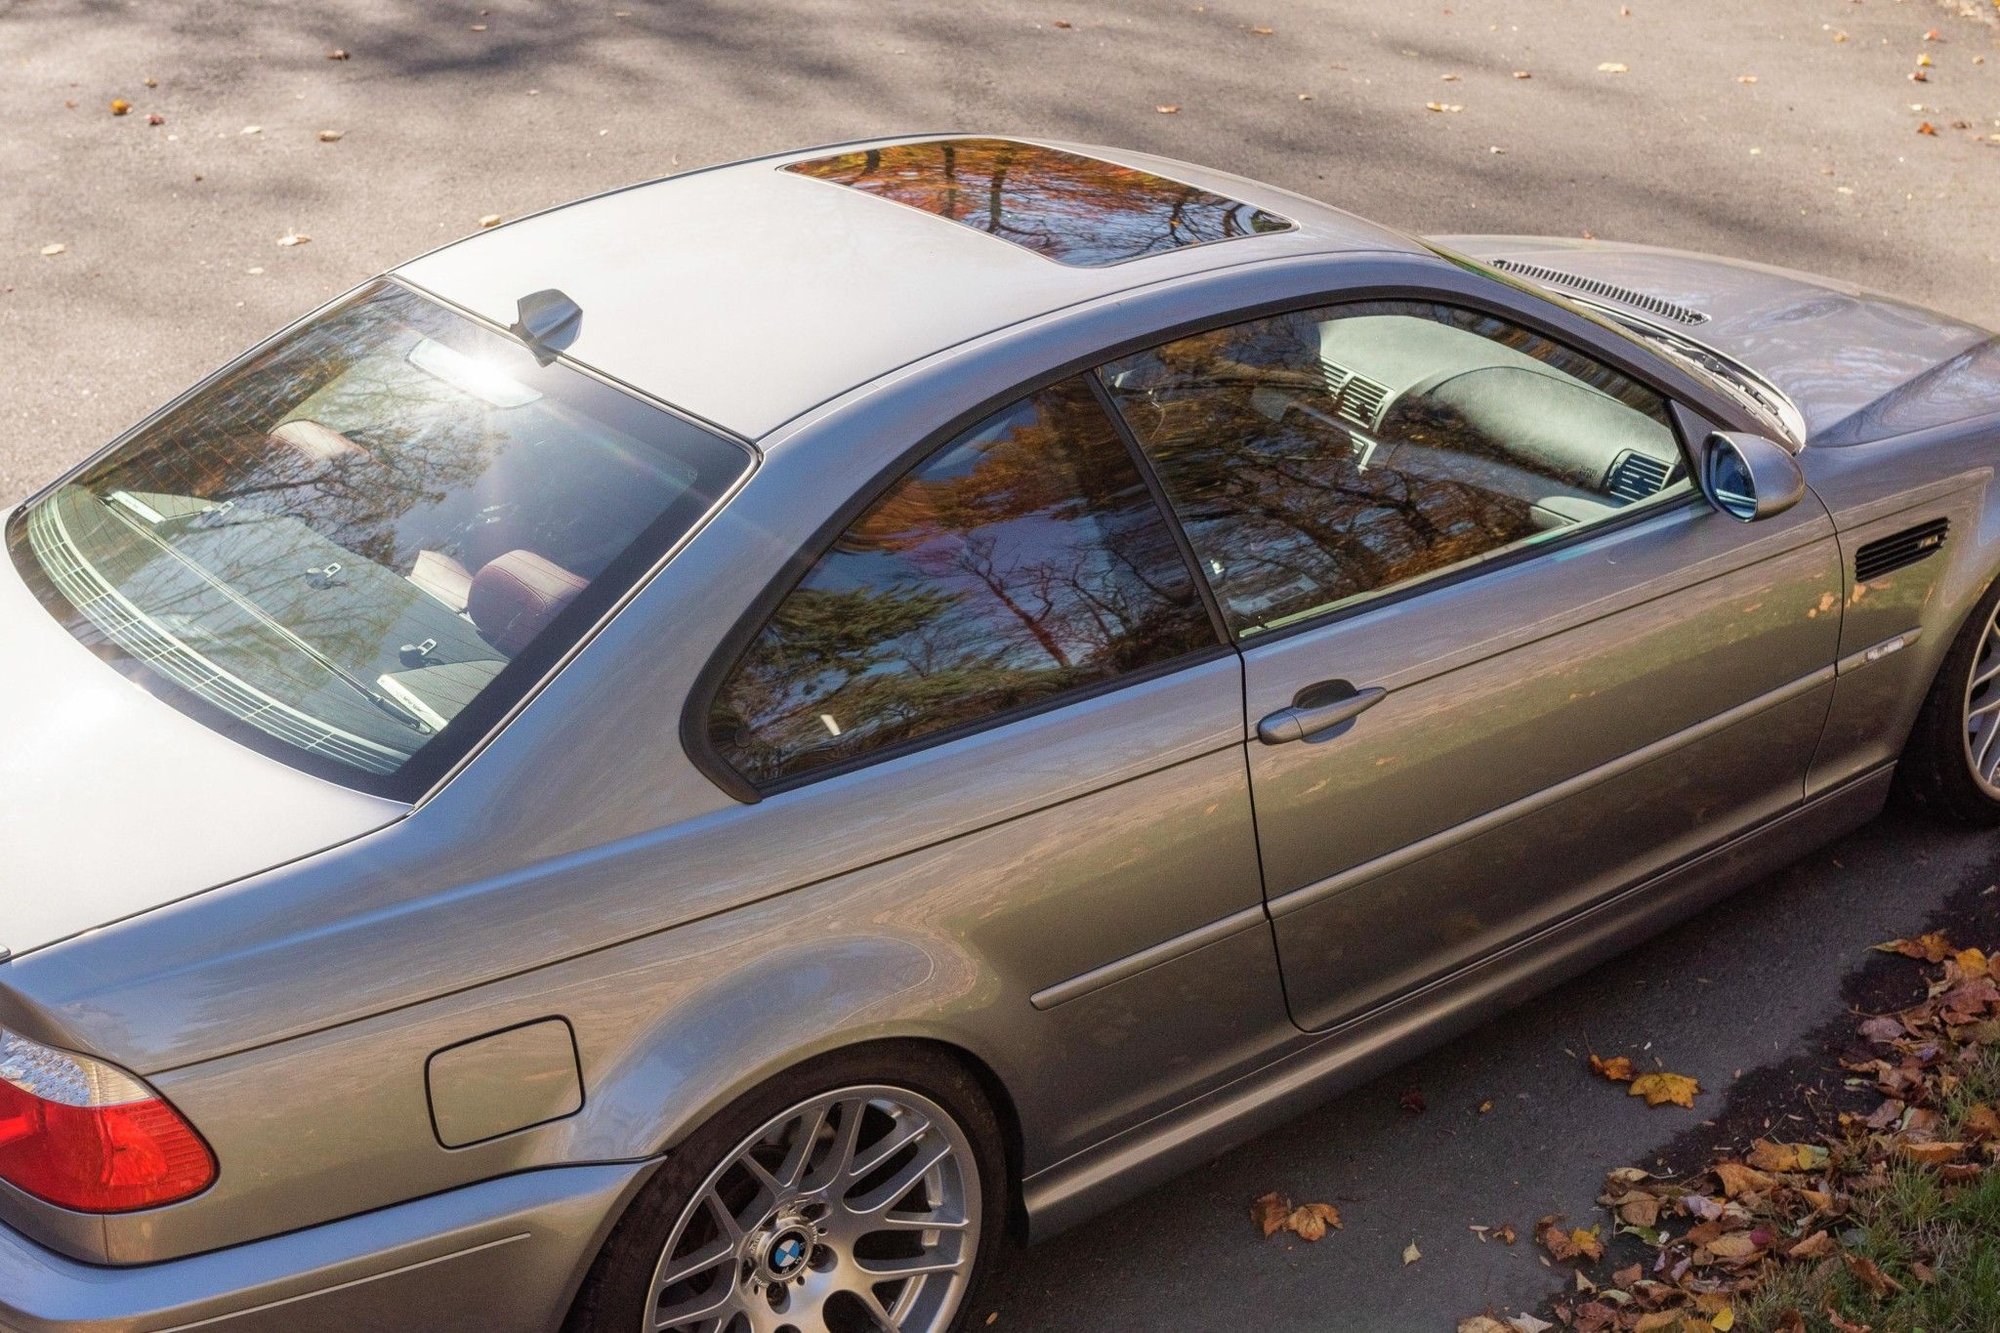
(449, 112)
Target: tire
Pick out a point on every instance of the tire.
(810, 1247)
(1940, 770)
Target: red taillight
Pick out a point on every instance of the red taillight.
(83, 1135)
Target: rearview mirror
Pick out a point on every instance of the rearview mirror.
(1749, 477)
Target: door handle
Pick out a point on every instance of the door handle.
(1307, 719)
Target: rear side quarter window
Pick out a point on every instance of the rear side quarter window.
(1021, 563)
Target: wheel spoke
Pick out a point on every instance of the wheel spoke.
(886, 1195)
(890, 1144)
(697, 1308)
(792, 1172)
(892, 1270)
(719, 1251)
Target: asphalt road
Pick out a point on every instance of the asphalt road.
(448, 112)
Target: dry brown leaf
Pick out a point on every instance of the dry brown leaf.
(1735, 1247)
(1665, 1089)
(1738, 1179)
(1574, 1243)
(331, 136)
(1982, 1122)
(1931, 1154)
(1932, 946)
(1411, 1254)
(1870, 1275)
(1310, 1221)
(1480, 1323)
(1927, 128)
(1270, 1211)
(1618, 1068)
(1061, 23)
(1768, 1156)
(1504, 1233)
(1816, 1246)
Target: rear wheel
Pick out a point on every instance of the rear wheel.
(852, 1195)
(1952, 762)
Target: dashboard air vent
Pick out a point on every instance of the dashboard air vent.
(1609, 291)
(1635, 476)
(1884, 554)
(1361, 400)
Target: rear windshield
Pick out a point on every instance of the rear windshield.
(359, 546)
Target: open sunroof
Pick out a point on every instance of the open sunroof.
(1064, 206)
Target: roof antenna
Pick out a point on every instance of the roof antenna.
(548, 322)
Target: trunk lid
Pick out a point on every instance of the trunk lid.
(113, 802)
(1859, 365)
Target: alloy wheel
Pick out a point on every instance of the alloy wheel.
(857, 1211)
(1982, 709)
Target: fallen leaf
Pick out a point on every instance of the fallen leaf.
(120, 107)
(1480, 1323)
(1816, 1246)
(1843, 1326)
(1738, 1179)
(1614, 67)
(1932, 947)
(1746, 78)
(251, 129)
(1504, 1233)
(336, 54)
(156, 119)
(1768, 1156)
(1270, 1211)
(1168, 108)
(1870, 1275)
(1442, 106)
(1411, 1254)
(52, 250)
(1618, 1068)
(490, 220)
(1260, 32)
(1665, 1089)
(1931, 1154)
(1448, 78)
(1567, 1245)
(292, 238)
(1982, 1122)
(1735, 1247)
(1523, 74)
(331, 136)
(1061, 23)
(1527, 1323)
(1310, 1221)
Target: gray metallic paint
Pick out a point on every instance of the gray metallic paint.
(1071, 898)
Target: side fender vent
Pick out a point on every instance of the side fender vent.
(1893, 552)
(1554, 277)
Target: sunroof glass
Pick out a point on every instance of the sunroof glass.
(1065, 206)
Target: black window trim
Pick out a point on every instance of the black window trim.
(1645, 367)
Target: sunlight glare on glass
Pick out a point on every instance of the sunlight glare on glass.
(485, 382)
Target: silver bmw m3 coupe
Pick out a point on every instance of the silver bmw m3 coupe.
(691, 762)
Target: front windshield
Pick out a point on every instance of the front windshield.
(1732, 380)
(359, 546)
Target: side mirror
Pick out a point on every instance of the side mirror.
(1749, 477)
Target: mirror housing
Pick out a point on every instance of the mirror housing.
(1749, 477)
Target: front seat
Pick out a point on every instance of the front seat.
(514, 596)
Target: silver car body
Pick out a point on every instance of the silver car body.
(1574, 750)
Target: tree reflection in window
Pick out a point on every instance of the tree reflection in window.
(1024, 560)
(1318, 456)
(1076, 210)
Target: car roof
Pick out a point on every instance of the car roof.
(747, 294)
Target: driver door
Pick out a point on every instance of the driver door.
(1501, 660)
